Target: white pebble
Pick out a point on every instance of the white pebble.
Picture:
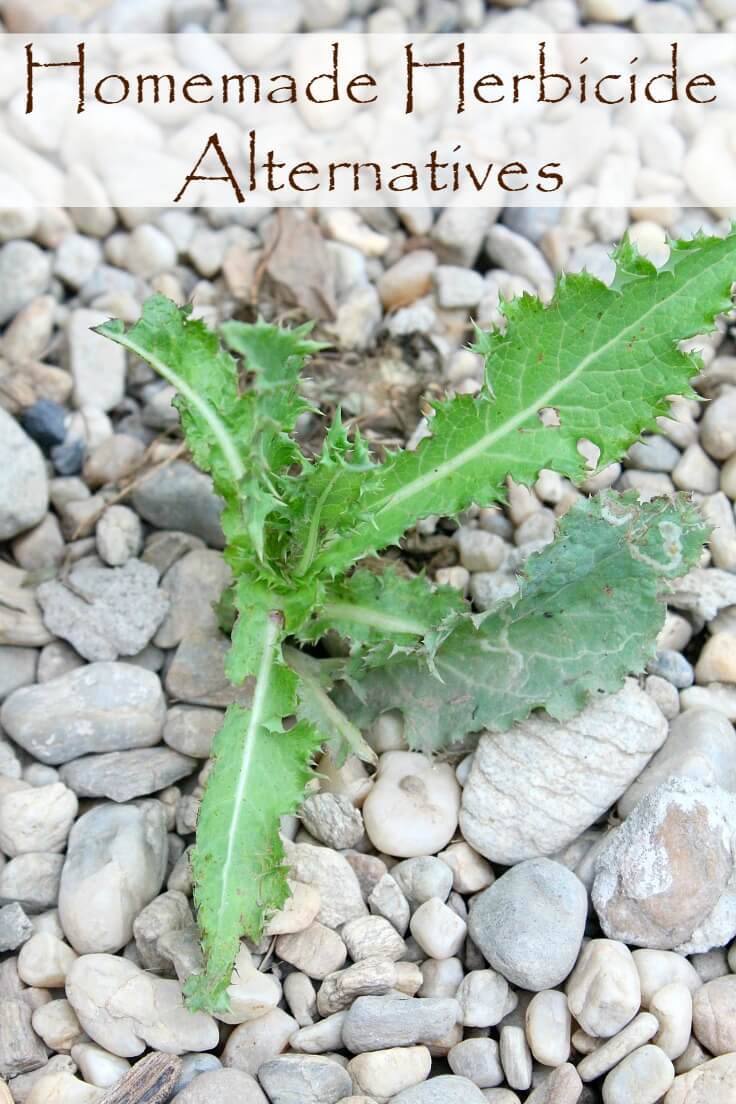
(148, 252)
(470, 871)
(659, 968)
(441, 977)
(603, 991)
(413, 807)
(36, 818)
(479, 550)
(62, 1088)
(384, 1073)
(45, 961)
(57, 1025)
(718, 426)
(643, 1076)
(298, 913)
(97, 1066)
(717, 662)
(516, 1058)
(695, 471)
(641, 1029)
(438, 930)
(484, 997)
(251, 993)
(301, 998)
(673, 1007)
(478, 1060)
(119, 535)
(387, 732)
(548, 1024)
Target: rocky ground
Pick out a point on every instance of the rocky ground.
(547, 919)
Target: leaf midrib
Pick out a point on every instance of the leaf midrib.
(208, 412)
(255, 718)
(448, 467)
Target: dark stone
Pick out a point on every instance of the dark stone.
(45, 423)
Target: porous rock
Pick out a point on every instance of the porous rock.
(667, 877)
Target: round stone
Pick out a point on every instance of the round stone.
(413, 806)
(529, 924)
(643, 1076)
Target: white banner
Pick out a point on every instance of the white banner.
(595, 119)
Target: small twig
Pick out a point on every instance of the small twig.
(86, 526)
(266, 961)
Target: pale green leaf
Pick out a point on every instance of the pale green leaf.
(340, 736)
(588, 614)
(384, 609)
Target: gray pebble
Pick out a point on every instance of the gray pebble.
(673, 667)
(180, 497)
(516, 254)
(98, 707)
(196, 673)
(222, 1086)
(192, 1065)
(529, 924)
(530, 222)
(444, 1089)
(45, 423)
(654, 454)
(191, 729)
(123, 775)
(304, 1079)
(25, 271)
(15, 927)
(377, 1023)
(32, 880)
(193, 585)
(24, 494)
(332, 819)
(17, 668)
(422, 878)
(169, 913)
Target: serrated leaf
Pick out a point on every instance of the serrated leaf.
(603, 360)
(259, 773)
(385, 611)
(186, 354)
(341, 454)
(588, 614)
(314, 705)
(242, 439)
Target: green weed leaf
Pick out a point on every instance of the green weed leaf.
(588, 614)
(259, 774)
(595, 364)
